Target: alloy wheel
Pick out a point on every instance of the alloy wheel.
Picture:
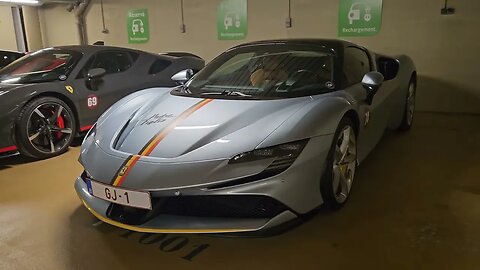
(344, 164)
(49, 128)
(410, 103)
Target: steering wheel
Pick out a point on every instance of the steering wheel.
(305, 77)
(303, 73)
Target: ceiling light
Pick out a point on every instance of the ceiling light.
(22, 2)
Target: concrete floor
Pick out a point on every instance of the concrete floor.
(415, 205)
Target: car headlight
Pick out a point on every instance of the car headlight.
(282, 156)
(288, 152)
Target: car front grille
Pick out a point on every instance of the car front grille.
(219, 206)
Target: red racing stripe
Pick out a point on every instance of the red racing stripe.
(85, 128)
(8, 149)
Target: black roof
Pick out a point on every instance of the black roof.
(333, 43)
(95, 48)
(92, 48)
(15, 52)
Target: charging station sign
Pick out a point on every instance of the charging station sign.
(137, 26)
(232, 19)
(359, 17)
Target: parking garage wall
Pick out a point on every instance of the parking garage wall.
(7, 32)
(444, 48)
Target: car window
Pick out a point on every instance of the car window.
(266, 72)
(41, 66)
(8, 57)
(233, 64)
(159, 66)
(356, 65)
(111, 61)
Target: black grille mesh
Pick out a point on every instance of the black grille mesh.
(233, 206)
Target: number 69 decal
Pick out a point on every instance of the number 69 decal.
(92, 101)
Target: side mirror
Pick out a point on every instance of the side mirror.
(372, 82)
(96, 73)
(93, 77)
(183, 76)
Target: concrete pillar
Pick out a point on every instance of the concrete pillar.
(32, 28)
(7, 32)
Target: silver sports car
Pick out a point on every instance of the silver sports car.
(265, 133)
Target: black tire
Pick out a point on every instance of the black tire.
(44, 135)
(327, 180)
(407, 119)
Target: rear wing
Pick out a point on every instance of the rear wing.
(181, 54)
(184, 60)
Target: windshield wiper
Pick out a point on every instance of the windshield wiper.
(227, 93)
(236, 93)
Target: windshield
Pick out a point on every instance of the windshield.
(42, 66)
(264, 72)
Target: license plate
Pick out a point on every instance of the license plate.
(127, 197)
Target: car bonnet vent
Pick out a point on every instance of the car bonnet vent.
(125, 131)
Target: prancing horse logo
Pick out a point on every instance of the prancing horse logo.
(123, 170)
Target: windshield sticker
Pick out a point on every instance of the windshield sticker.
(156, 118)
(92, 101)
(69, 88)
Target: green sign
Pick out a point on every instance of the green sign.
(359, 17)
(232, 19)
(137, 26)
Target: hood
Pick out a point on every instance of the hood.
(15, 94)
(30, 78)
(177, 128)
(5, 88)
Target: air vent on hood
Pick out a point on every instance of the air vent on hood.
(123, 134)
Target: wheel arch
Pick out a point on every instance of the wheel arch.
(413, 77)
(353, 115)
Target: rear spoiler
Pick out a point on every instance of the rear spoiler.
(181, 54)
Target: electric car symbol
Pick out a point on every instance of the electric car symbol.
(354, 13)
(230, 20)
(137, 26)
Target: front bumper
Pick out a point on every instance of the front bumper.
(171, 223)
(7, 143)
(283, 197)
(8, 114)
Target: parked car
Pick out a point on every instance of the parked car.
(265, 133)
(7, 57)
(50, 96)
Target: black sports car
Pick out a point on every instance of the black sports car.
(7, 57)
(50, 96)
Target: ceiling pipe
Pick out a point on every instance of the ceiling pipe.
(80, 9)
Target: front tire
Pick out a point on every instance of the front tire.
(409, 106)
(45, 128)
(336, 183)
